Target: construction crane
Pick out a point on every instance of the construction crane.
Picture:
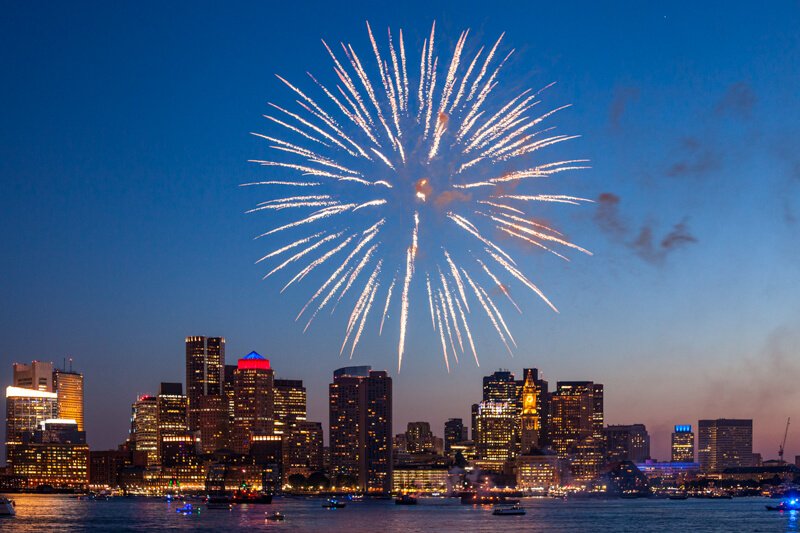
(783, 444)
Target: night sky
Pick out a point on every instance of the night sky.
(125, 135)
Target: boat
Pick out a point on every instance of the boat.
(333, 504)
(277, 516)
(678, 496)
(785, 505)
(405, 499)
(219, 502)
(187, 508)
(241, 496)
(508, 510)
(7, 507)
(473, 498)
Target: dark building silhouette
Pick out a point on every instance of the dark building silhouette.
(205, 360)
(724, 443)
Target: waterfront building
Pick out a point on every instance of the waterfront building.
(144, 427)
(205, 360)
(68, 385)
(454, 431)
(179, 449)
(538, 471)
(105, 466)
(421, 479)
(724, 443)
(683, 444)
(496, 445)
(627, 443)
(254, 401)
(36, 376)
(26, 409)
(672, 474)
(55, 454)
(361, 427)
(171, 414)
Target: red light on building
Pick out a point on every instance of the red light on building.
(253, 361)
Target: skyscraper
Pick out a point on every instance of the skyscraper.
(68, 385)
(303, 449)
(144, 427)
(496, 445)
(576, 412)
(576, 426)
(500, 387)
(171, 414)
(290, 404)
(254, 401)
(683, 444)
(542, 400)
(627, 443)
(344, 419)
(55, 454)
(361, 426)
(26, 409)
(36, 376)
(454, 431)
(205, 359)
(724, 443)
(419, 437)
(212, 422)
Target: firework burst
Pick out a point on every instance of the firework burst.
(402, 184)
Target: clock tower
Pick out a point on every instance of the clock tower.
(530, 423)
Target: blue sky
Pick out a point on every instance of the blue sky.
(125, 137)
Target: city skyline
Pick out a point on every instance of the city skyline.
(128, 136)
(283, 387)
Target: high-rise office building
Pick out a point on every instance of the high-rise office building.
(576, 412)
(36, 376)
(683, 444)
(530, 416)
(171, 413)
(496, 445)
(212, 422)
(53, 454)
(419, 438)
(724, 443)
(205, 360)
(68, 385)
(26, 409)
(627, 443)
(254, 401)
(454, 431)
(361, 426)
(303, 449)
(500, 387)
(290, 404)
(473, 414)
(228, 390)
(144, 427)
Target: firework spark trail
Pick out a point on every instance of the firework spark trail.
(368, 234)
(430, 300)
(457, 278)
(358, 132)
(411, 254)
(500, 286)
(300, 254)
(386, 307)
(441, 337)
(317, 262)
(446, 322)
(479, 295)
(451, 309)
(467, 331)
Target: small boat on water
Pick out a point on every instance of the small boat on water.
(405, 499)
(7, 507)
(219, 502)
(277, 516)
(333, 504)
(508, 510)
(187, 508)
(678, 496)
(785, 505)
